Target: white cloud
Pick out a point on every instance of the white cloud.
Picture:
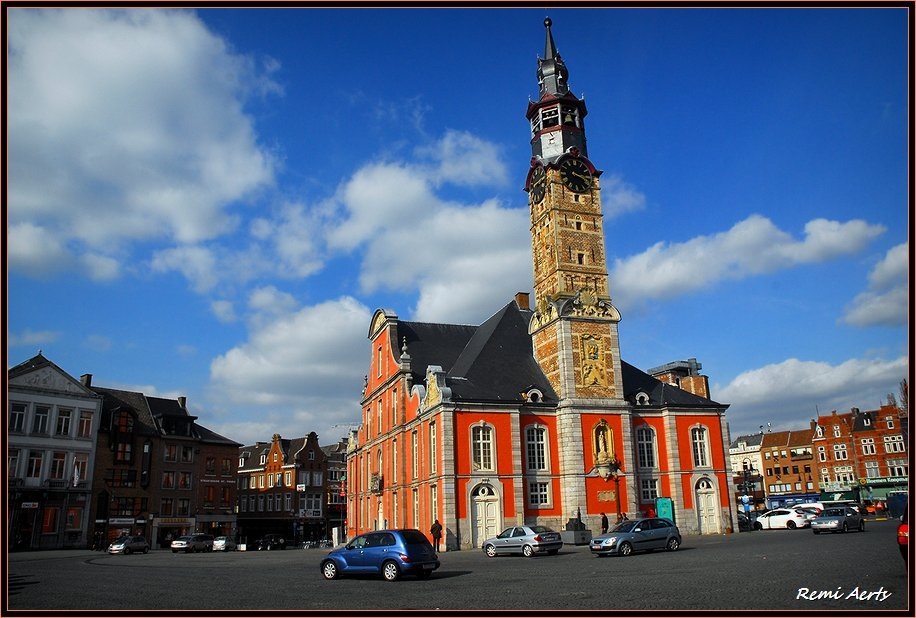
(886, 302)
(790, 393)
(124, 126)
(197, 264)
(619, 197)
(310, 359)
(30, 337)
(751, 247)
(466, 160)
(224, 311)
(35, 251)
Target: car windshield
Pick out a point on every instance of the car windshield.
(625, 526)
(834, 512)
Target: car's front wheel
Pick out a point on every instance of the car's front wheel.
(758, 525)
(673, 544)
(790, 525)
(146, 550)
(329, 569)
(625, 549)
(127, 551)
(527, 551)
(490, 550)
(390, 571)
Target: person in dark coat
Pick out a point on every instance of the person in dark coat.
(604, 523)
(436, 531)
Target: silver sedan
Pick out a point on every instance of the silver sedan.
(838, 519)
(525, 540)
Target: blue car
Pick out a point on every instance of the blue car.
(389, 553)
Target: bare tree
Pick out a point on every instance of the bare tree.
(904, 405)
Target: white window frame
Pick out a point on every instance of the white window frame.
(645, 447)
(433, 464)
(483, 448)
(699, 441)
(537, 456)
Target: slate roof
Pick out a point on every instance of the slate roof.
(146, 410)
(494, 362)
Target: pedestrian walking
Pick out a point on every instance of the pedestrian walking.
(604, 523)
(436, 531)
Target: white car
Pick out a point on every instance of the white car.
(782, 518)
(223, 543)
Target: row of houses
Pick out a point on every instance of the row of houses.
(858, 455)
(86, 464)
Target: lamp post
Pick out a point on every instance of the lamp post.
(748, 487)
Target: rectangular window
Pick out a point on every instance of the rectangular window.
(821, 453)
(166, 506)
(17, 417)
(317, 478)
(394, 462)
(210, 497)
(123, 452)
(270, 502)
(700, 447)
(433, 466)
(289, 501)
(80, 468)
(648, 489)
(645, 446)
(243, 505)
(289, 479)
(482, 448)
(416, 509)
(84, 429)
(379, 414)
(871, 469)
(839, 452)
(897, 467)
(210, 466)
(184, 480)
(536, 449)
(187, 454)
(168, 480)
(64, 415)
(394, 407)
(434, 500)
(40, 422)
(12, 463)
(416, 453)
(894, 444)
(33, 471)
(227, 466)
(74, 518)
(225, 496)
(170, 452)
(58, 464)
(184, 507)
(537, 493)
(868, 446)
(49, 519)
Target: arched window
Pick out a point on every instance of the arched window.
(482, 455)
(700, 442)
(645, 447)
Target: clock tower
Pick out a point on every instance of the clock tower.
(574, 327)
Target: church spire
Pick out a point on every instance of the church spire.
(558, 117)
(552, 72)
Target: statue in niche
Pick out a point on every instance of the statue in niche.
(606, 461)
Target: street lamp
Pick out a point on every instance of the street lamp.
(747, 486)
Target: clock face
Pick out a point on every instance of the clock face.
(575, 175)
(538, 184)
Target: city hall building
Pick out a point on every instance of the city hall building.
(533, 417)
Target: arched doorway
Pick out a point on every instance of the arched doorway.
(707, 501)
(485, 514)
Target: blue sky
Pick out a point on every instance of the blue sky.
(212, 203)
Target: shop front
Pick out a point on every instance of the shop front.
(167, 529)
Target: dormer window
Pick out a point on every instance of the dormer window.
(263, 459)
(642, 399)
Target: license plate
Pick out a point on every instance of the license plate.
(428, 567)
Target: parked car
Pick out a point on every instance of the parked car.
(193, 543)
(746, 521)
(525, 540)
(269, 542)
(782, 518)
(637, 535)
(224, 543)
(390, 553)
(903, 534)
(128, 545)
(838, 519)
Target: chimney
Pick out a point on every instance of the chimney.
(521, 299)
(86, 380)
(183, 402)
